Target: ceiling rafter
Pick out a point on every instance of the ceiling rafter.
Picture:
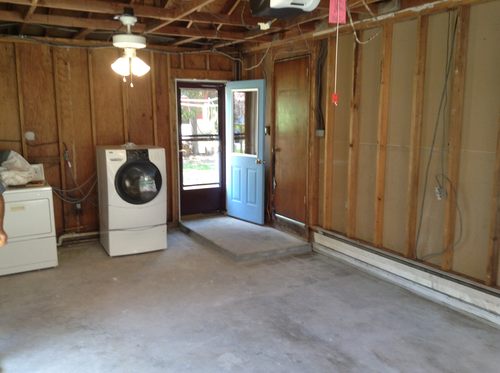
(55, 20)
(28, 15)
(179, 13)
(89, 17)
(228, 8)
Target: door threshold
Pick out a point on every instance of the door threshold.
(202, 215)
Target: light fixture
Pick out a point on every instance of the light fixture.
(129, 64)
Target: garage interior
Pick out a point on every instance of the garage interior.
(395, 187)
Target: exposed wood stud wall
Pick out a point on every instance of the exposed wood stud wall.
(416, 134)
(60, 74)
(329, 138)
(174, 146)
(92, 99)
(85, 104)
(352, 175)
(383, 121)
(494, 243)
(21, 100)
(313, 155)
(457, 105)
(152, 77)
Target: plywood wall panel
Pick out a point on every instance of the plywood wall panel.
(10, 126)
(430, 239)
(221, 63)
(140, 109)
(39, 100)
(479, 137)
(175, 61)
(195, 61)
(108, 98)
(40, 113)
(398, 134)
(369, 106)
(341, 133)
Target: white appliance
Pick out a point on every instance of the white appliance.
(29, 224)
(282, 9)
(132, 199)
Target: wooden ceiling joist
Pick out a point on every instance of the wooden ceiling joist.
(179, 13)
(28, 15)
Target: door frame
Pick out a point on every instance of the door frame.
(199, 193)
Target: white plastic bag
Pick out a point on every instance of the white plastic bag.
(19, 171)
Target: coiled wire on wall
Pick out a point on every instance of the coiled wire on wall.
(62, 194)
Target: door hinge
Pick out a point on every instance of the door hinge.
(305, 200)
(307, 72)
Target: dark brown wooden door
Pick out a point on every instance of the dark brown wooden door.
(292, 109)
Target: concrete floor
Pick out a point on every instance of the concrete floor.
(189, 309)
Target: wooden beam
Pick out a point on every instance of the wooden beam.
(56, 20)
(28, 15)
(228, 9)
(20, 98)
(383, 122)
(329, 136)
(174, 143)
(92, 100)
(494, 244)
(83, 33)
(153, 97)
(201, 74)
(185, 41)
(415, 136)
(457, 105)
(352, 172)
(193, 32)
(178, 13)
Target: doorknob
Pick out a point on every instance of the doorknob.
(258, 161)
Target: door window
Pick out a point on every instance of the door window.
(244, 121)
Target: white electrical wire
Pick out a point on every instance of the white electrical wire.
(354, 29)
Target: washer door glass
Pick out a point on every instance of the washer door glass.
(138, 182)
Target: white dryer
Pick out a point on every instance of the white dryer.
(132, 199)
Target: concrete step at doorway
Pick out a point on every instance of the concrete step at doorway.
(241, 241)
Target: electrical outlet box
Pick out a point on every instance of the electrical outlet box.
(320, 133)
(440, 193)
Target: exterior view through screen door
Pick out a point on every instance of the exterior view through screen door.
(245, 149)
(201, 134)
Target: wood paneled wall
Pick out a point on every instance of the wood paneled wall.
(72, 100)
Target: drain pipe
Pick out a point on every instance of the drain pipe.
(75, 235)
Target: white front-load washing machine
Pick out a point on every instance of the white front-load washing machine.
(132, 199)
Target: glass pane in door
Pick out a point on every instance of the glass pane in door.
(200, 138)
(244, 128)
(200, 164)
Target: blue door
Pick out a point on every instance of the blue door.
(245, 101)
